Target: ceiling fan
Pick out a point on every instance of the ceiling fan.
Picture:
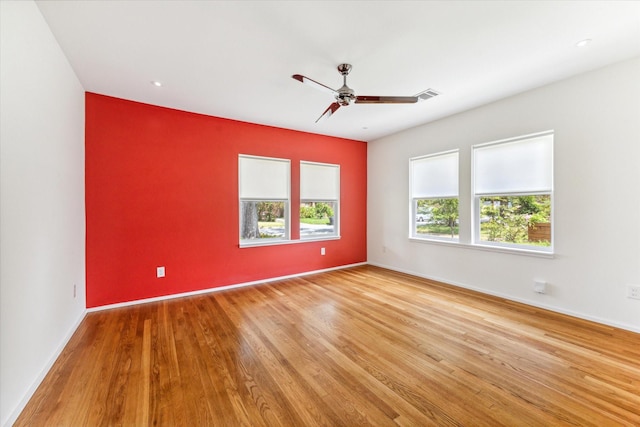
(345, 95)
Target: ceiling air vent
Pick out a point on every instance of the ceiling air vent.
(427, 94)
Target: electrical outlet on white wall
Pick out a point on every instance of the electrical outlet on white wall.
(540, 286)
(633, 291)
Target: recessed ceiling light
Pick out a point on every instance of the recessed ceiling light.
(583, 43)
(156, 83)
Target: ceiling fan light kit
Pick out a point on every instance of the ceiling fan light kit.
(345, 95)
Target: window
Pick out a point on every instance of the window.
(264, 199)
(319, 200)
(434, 196)
(513, 192)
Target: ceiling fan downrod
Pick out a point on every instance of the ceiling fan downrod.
(345, 94)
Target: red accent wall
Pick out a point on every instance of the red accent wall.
(162, 190)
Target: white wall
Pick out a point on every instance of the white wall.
(596, 118)
(42, 203)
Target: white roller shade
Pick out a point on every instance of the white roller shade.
(319, 181)
(263, 178)
(434, 176)
(524, 166)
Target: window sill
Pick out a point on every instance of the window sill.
(286, 242)
(266, 242)
(488, 248)
(318, 238)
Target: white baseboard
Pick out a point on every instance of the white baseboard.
(556, 309)
(218, 289)
(13, 416)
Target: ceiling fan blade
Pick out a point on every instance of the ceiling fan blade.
(313, 83)
(386, 99)
(329, 111)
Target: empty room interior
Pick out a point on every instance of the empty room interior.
(300, 213)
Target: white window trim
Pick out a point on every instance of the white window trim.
(481, 247)
(287, 206)
(337, 220)
(548, 251)
(413, 201)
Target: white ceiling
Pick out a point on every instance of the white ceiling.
(234, 59)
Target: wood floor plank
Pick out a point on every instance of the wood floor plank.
(359, 346)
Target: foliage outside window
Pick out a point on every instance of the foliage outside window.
(317, 219)
(262, 220)
(434, 196)
(437, 218)
(264, 199)
(319, 200)
(521, 220)
(514, 192)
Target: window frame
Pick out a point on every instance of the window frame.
(413, 200)
(335, 201)
(287, 204)
(476, 196)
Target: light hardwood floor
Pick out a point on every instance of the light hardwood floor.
(360, 346)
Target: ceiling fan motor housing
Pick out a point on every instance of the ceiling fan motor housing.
(345, 96)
